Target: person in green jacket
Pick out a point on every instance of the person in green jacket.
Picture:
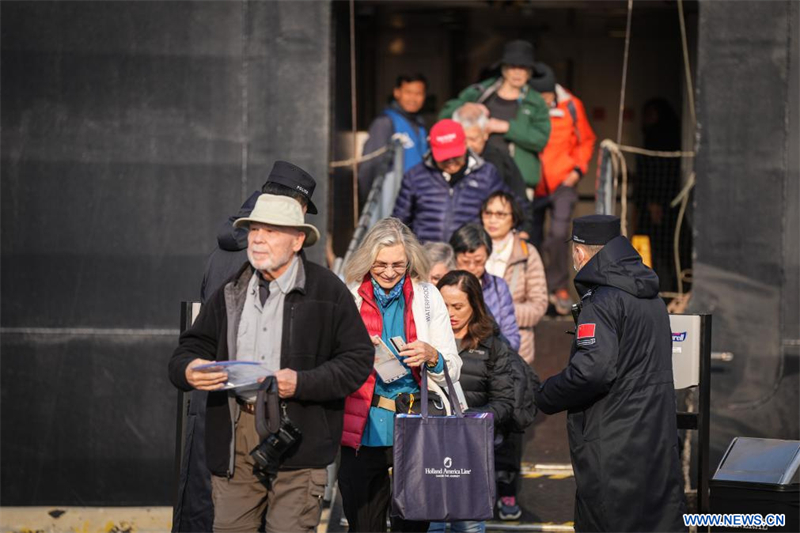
(519, 118)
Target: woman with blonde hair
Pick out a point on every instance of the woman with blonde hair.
(387, 278)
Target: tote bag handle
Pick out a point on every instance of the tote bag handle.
(451, 392)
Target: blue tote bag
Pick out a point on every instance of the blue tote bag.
(443, 465)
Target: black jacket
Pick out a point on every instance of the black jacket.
(324, 340)
(485, 379)
(619, 392)
(230, 253)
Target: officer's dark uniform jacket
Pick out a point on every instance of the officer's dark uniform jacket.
(618, 389)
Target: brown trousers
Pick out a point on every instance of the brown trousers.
(243, 503)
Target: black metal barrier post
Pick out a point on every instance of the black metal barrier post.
(699, 421)
(187, 317)
(704, 408)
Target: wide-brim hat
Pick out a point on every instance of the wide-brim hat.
(518, 53)
(280, 211)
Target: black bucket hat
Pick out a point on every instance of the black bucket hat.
(518, 53)
(543, 79)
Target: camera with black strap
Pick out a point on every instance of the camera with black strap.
(278, 434)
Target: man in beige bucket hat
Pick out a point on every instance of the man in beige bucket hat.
(297, 319)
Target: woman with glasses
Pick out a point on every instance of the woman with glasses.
(386, 276)
(485, 373)
(473, 246)
(518, 263)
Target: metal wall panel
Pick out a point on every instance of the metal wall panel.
(745, 214)
(129, 130)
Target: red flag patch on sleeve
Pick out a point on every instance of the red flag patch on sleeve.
(586, 331)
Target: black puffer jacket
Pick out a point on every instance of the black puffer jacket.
(485, 379)
(230, 253)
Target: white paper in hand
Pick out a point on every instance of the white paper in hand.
(387, 365)
(241, 374)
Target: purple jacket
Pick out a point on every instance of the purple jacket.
(501, 305)
(433, 209)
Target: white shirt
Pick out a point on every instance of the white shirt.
(501, 253)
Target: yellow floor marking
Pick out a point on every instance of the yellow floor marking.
(85, 519)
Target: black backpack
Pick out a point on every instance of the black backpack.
(524, 379)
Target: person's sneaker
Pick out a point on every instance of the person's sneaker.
(508, 508)
(561, 301)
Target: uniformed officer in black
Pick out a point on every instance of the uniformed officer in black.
(618, 389)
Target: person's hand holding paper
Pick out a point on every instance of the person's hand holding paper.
(386, 364)
(205, 379)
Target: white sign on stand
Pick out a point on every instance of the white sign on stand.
(685, 350)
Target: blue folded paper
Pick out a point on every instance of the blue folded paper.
(241, 374)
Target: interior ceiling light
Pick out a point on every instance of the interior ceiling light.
(397, 46)
(397, 22)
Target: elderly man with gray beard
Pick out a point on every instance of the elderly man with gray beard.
(297, 319)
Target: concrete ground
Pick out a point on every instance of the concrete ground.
(58, 519)
(546, 492)
(547, 489)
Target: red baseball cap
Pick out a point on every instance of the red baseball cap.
(447, 140)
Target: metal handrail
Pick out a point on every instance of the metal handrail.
(379, 204)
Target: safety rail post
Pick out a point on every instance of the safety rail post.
(392, 180)
(398, 161)
(704, 409)
(604, 188)
(371, 206)
(380, 201)
(187, 317)
(700, 421)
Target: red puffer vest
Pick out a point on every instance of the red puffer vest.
(356, 406)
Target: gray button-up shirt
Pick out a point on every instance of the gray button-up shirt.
(261, 327)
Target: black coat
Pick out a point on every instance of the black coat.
(619, 391)
(230, 253)
(486, 380)
(324, 340)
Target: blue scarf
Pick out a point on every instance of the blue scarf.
(382, 297)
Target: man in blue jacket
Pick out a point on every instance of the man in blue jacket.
(401, 117)
(447, 189)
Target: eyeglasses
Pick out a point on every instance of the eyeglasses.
(470, 263)
(380, 268)
(502, 215)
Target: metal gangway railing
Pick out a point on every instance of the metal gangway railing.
(380, 201)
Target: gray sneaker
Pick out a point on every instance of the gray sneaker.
(508, 509)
